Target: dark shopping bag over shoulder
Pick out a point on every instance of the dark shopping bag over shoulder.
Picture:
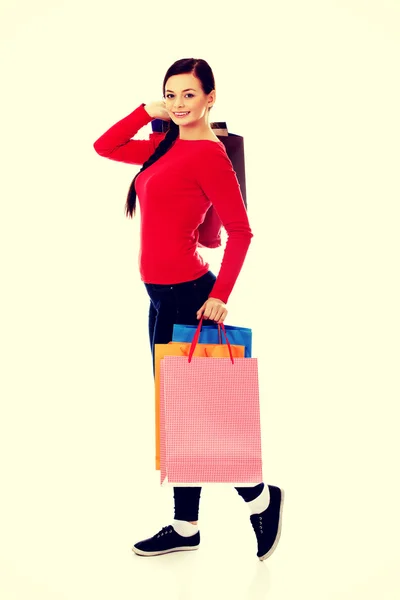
(210, 229)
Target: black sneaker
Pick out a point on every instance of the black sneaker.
(267, 525)
(166, 540)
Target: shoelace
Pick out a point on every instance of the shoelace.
(164, 530)
(258, 525)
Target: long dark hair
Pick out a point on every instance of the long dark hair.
(200, 69)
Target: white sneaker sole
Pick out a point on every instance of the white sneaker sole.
(182, 548)
(278, 535)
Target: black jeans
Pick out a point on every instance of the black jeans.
(178, 304)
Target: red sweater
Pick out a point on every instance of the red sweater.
(174, 195)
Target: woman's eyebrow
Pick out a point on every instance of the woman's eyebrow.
(182, 90)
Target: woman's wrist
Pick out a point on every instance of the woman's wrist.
(148, 112)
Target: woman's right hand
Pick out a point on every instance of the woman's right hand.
(157, 110)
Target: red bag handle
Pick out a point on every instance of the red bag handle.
(197, 335)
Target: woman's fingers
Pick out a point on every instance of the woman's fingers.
(213, 309)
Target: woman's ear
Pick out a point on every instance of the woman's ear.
(211, 99)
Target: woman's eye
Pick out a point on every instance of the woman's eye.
(168, 95)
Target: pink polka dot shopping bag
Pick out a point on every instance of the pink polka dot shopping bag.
(210, 428)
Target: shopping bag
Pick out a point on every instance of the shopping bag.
(241, 336)
(210, 230)
(210, 420)
(182, 349)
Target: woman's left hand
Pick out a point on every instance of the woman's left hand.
(214, 309)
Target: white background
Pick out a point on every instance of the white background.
(313, 87)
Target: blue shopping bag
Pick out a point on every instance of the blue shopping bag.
(240, 336)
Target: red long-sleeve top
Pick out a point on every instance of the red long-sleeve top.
(174, 195)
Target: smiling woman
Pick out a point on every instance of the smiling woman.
(175, 193)
(183, 104)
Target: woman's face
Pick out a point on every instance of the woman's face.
(183, 93)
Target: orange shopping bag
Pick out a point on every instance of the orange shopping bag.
(182, 349)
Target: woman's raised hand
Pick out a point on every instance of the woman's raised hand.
(157, 110)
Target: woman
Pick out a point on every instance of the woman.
(182, 176)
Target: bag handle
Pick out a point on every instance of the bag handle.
(197, 335)
(185, 350)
